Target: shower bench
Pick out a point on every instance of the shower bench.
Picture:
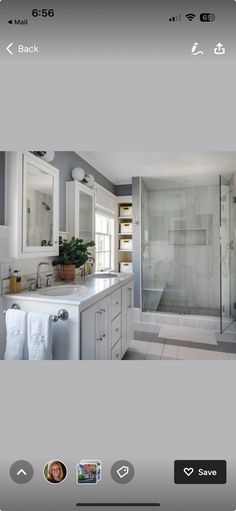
(152, 295)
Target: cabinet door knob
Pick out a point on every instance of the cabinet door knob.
(117, 303)
(117, 329)
(104, 335)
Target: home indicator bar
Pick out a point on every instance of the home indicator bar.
(120, 504)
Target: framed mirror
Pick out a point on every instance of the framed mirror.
(40, 206)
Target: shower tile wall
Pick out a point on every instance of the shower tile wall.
(182, 243)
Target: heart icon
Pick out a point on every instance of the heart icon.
(188, 471)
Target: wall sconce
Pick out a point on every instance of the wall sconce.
(79, 175)
(45, 155)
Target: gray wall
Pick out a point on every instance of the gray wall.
(2, 164)
(123, 190)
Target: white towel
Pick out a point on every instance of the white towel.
(16, 334)
(39, 334)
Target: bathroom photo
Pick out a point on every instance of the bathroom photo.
(123, 255)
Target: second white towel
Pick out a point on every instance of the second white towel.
(39, 335)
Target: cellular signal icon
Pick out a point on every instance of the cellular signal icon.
(175, 18)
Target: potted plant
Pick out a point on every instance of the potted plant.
(72, 254)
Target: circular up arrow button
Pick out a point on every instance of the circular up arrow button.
(21, 472)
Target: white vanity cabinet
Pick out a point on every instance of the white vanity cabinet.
(106, 328)
(80, 211)
(95, 331)
(97, 328)
(32, 206)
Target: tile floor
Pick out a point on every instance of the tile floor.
(168, 342)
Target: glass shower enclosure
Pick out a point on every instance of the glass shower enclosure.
(187, 247)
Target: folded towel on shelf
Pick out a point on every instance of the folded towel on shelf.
(16, 324)
(39, 335)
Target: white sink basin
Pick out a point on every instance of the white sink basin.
(104, 275)
(63, 290)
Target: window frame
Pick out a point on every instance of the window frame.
(111, 236)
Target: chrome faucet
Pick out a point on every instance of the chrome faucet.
(38, 282)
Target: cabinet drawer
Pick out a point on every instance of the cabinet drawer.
(115, 303)
(115, 330)
(116, 351)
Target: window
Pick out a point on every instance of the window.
(104, 238)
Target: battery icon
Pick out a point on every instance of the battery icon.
(207, 16)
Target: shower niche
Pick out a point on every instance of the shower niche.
(182, 237)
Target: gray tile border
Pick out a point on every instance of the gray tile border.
(222, 347)
(145, 336)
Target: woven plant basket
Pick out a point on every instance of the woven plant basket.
(67, 272)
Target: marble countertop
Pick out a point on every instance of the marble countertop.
(96, 289)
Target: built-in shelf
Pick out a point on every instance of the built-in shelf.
(124, 255)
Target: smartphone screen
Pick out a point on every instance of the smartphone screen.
(117, 255)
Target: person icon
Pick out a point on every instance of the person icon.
(55, 472)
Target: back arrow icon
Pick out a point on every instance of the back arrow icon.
(8, 48)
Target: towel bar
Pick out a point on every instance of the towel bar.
(62, 313)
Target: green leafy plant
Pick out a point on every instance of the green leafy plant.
(74, 251)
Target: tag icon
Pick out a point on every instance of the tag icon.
(123, 471)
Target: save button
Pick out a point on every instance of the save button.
(200, 471)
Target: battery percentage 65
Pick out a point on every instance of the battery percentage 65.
(207, 16)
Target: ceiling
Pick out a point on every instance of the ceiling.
(121, 166)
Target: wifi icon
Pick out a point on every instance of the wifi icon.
(190, 16)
